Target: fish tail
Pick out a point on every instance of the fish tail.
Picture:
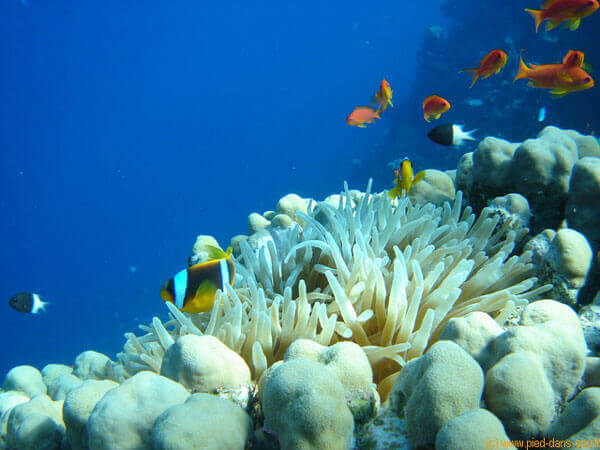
(474, 72)
(537, 16)
(523, 70)
(475, 78)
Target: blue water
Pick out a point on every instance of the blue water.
(127, 128)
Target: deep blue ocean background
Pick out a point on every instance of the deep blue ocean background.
(127, 128)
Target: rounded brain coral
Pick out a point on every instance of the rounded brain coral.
(385, 274)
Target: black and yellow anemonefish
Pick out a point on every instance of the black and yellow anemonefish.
(193, 290)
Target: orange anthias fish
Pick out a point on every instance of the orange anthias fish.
(383, 97)
(362, 115)
(492, 63)
(561, 78)
(559, 11)
(434, 106)
(404, 179)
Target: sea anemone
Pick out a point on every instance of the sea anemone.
(386, 274)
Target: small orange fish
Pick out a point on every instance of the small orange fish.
(560, 78)
(492, 63)
(362, 115)
(559, 11)
(383, 97)
(434, 106)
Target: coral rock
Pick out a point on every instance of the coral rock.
(90, 365)
(519, 394)
(472, 332)
(558, 345)
(582, 415)
(203, 421)
(437, 188)
(61, 386)
(583, 207)
(26, 379)
(8, 400)
(349, 363)
(472, 430)
(203, 363)
(126, 414)
(199, 250)
(591, 376)
(305, 407)
(35, 424)
(78, 407)
(435, 388)
(52, 371)
(256, 222)
(291, 203)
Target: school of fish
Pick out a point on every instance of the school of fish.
(193, 289)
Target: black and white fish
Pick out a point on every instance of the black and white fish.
(450, 134)
(26, 302)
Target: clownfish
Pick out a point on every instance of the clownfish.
(404, 179)
(26, 302)
(193, 290)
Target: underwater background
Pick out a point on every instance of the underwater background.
(127, 128)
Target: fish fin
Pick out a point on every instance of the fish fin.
(475, 78)
(427, 117)
(474, 72)
(393, 193)
(537, 16)
(418, 177)
(551, 25)
(437, 116)
(557, 93)
(588, 68)
(361, 125)
(391, 104)
(376, 99)
(574, 24)
(523, 69)
(216, 253)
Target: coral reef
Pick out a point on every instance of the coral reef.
(557, 175)
(386, 275)
(358, 321)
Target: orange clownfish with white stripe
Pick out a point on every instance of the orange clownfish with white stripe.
(193, 290)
